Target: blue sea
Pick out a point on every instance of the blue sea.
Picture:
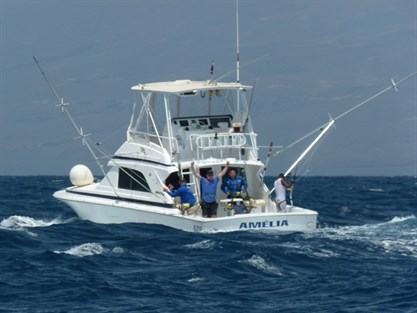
(362, 257)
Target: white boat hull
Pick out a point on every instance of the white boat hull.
(110, 211)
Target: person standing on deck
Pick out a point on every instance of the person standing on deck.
(234, 185)
(208, 190)
(281, 186)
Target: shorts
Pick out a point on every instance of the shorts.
(209, 208)
(281, 205)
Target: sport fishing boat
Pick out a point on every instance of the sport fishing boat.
(172, 124)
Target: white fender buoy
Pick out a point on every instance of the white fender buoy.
(80, 175)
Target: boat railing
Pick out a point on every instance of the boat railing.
(211, 141)
(241, 146)
(168, 143)
(223, 145)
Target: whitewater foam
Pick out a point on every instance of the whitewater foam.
(17, 222)
(398, 219)
(90, 249)
(205, 244)
(195, 278)
(394, 236)
(119, 250)
(376, 190)
(22, 223)
(86, 249)
(260, 263)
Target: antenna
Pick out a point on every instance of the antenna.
(246, 64)
(237, 42)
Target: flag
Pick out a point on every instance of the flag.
(212, 69)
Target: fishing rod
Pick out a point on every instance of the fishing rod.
(267, 162)
(180, 169)
(249, 108)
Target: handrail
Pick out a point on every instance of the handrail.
(137, 137)
(220, 140)
(223, 145)
(216, 144)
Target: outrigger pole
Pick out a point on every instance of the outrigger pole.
(392, 86)
(326, 127)
(64, 109)
(302, 155)
(79, 130)
(324, 131)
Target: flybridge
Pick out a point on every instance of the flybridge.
(193, 120)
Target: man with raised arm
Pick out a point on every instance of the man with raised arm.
(208, 190)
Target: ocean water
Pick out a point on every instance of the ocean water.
(362, 258)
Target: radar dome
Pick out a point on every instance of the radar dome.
(80, 175)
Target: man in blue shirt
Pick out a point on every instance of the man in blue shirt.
(184, 192)
(208, 190)
(234, 185)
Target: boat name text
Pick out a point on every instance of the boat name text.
(263, 224)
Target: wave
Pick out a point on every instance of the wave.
(89, 249)
(402, 219)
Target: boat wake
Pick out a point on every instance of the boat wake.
(398, 235)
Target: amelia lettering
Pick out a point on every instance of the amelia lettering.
(264, 224)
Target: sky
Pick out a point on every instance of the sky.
(321, 58)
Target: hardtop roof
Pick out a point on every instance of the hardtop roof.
(187, 86)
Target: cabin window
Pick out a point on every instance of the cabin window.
(132, 180)
(220, 122)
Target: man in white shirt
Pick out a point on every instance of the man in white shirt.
(281, 186)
